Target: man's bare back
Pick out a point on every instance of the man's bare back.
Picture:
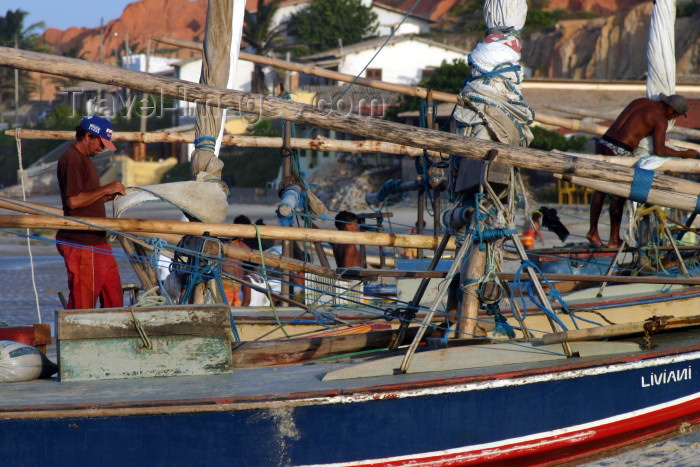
(641, 118)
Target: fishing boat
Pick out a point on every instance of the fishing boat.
(175, 384)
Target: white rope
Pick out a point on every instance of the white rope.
(29, 242)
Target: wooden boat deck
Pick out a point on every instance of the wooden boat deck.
(265, 384)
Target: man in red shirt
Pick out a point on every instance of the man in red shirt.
(92, 270)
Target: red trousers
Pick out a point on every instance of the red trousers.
(92, 274)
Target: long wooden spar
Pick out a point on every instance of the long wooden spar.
(318, 144)
(272, 107)
(669, 164)
(238, 253)
(45, 217)
(415, 91)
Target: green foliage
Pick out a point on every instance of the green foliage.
(61, 117)
(538, 20)
(320, 25)
(243, 168)
(448, 77)
(155, 107)
(468, 17)
(549, 140)
(263, 38)
(687, 9)
(14, 34)
(249, 168)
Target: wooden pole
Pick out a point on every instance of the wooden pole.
(603, 332)
(408, 90)
(319, 143)
(679, 200)
(671, 164)
(286, 173)
(221, 230)
(273, 107)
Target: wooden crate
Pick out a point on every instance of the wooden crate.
(175, 340)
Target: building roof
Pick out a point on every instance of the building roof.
(377, 42)
(431, 10)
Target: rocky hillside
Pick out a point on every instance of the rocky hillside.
(183, 19)
(600, 7)
(608, 47)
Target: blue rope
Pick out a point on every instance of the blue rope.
(641, 184)
(205, 142)
(517, 284)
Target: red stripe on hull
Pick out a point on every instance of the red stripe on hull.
(575, 446)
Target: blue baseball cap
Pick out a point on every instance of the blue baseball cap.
(99, 126)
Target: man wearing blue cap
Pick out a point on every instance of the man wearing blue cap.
(642, 117)
(92, 270)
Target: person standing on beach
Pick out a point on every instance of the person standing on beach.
(92, 270)
(641, 118)
(346, 256)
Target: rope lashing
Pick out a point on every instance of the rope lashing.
(491, 235)
(207, 143)
(502, 327)
(517, 285)
(289, 200)
(641, 184)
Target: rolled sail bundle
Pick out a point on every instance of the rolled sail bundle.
(201, 201)
(490, 106)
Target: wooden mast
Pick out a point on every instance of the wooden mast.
(272, 107)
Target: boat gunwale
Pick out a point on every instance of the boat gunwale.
(376, 392)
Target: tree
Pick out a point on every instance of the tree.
(13, 33)
(448, 77)
(322, 24)
(263, 38)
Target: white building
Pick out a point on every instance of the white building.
(403, 60)
(155, 64)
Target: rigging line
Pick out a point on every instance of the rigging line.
(29, 243)
(393, 32)
(267, 282)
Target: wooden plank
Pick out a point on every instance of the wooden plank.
(128, 358)
(602, 332)
(286, 351)
(202, 320)
(476, 356)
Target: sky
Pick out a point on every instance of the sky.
(62, 14)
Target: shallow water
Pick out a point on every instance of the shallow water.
(18, 301)
(18, 307)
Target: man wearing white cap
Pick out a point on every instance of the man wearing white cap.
(92, 270)
(642, 117)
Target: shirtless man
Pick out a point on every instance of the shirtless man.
(641, 118)
(346, 256)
